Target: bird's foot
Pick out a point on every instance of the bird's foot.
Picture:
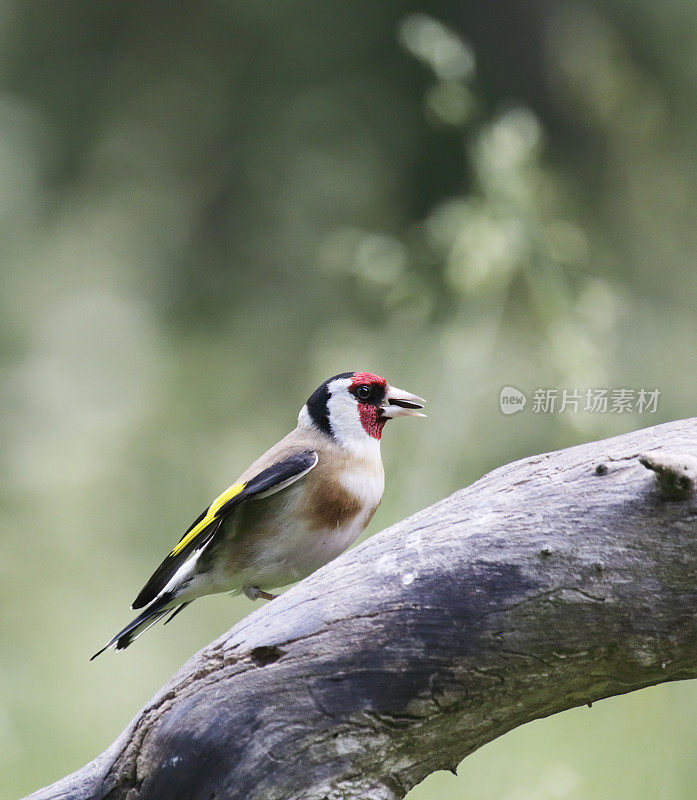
(254, 593)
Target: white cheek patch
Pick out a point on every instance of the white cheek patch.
(345, 419)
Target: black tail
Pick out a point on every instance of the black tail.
(158, 608)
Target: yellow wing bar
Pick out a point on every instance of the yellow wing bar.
(209, 516)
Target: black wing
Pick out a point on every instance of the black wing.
(201, 531)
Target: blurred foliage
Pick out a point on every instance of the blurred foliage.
(207, 209)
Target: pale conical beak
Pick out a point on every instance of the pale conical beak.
(399, 403)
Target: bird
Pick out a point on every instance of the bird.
(297, 507)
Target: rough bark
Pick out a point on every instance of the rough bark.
(549, 583)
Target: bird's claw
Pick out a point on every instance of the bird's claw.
(254, 593)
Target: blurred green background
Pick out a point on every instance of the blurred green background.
(206, 209)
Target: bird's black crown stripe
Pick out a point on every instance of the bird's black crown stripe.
(317, 403)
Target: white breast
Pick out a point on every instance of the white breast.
(366, 484)
(297, 550)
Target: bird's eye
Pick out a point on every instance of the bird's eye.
(363, 392)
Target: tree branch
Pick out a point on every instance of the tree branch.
(549, 583)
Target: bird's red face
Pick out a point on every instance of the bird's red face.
(369, 390)
(353, 408)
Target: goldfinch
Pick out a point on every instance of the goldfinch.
(296, 508)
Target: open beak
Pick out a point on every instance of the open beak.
(399, 403)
